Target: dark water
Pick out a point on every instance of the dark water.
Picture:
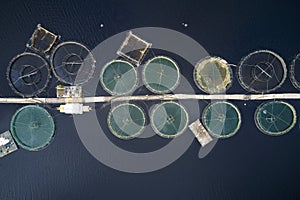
(248, 166)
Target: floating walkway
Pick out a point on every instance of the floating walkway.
(164, 97)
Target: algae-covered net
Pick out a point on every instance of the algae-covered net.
(213, 75)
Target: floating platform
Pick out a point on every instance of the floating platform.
(7, 144)
(200, 133)
(161, 75)
(133, 48)
(32, 127)
(126, 121)
(119, 77)
(42, 40)
(72, 63)
(275, 117)
(213, 75)
(221, 119)
(169, 119)
(262, 71)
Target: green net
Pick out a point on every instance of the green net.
(161, 75)
(222, 119)
(275, 117)
(126, 121)
(118, 77)
(169, 119)
(32, 127)
(213, 75)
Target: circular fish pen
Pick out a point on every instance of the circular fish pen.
(126, 121)
(169, 119)
(213, 75)
(275, 117)
(119, 77)
(262, 71)
(28, 74)
(161, 75)
(32, 127)
(295, 72)
(72, 63)
(221, 119)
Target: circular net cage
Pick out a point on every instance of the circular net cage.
(161, 75)
(126, 121)
(262, 71)
(169, 119)
(32, 127)
(28, 74)
(213, 75)
(295, 71)
(221, 119)
(72, 63)
(275, 117)
(119, 77)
